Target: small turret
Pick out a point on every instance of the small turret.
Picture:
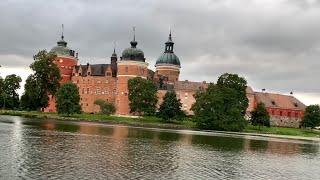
(114, 60)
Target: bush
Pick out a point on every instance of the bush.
(171, 107)
(105, 107)
(311, 117)
(260, 116)
(68, 99)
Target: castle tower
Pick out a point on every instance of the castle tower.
(65, 61)
(114, 60)
(132, 64)
(168, 64)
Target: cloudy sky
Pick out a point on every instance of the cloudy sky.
(274, 44)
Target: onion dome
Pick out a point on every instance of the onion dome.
(133, 53)
(168, 57)
(61, 49)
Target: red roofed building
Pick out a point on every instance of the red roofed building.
(284, 110)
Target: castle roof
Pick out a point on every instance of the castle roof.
(168, 57)
(133, 53)
(95, 69)
(272, 100)
(189, 86)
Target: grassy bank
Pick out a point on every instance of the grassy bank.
(282, 131)
(143, 121)
(156, 123)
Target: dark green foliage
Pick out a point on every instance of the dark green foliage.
(171, 107)
(9, 98)
(46, 76)
(33, 97)
(105, 107)
(222, 106)
(67, 99)
(311, 116)
(142, 96)
(260, 116)
(238, 86)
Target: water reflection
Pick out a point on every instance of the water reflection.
(48, 149)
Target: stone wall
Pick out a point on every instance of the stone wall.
(284, 121)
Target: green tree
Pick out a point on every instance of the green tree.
(237, 84)
(105, 107)
(68, 99)
(222, 106)
(33, 97)
(142, 96)
(46, 75)
(260, 116)
(311, 116)
(171, 107)
(9, 96)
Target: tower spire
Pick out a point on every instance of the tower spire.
(134, 33)
(169, 43)
(134, 42)
(62, 29)
(114, 49)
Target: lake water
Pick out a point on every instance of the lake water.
(49, 149)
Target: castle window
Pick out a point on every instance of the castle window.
(272, 112)
(296, 114)
(289, 114)
(79, 74)
(127, 69)
(98, 91)
(98, 81)
(280, 113)
(82, 90)
(273, 103)
(88, 90)
(107, 81)
(108, 74)
(295, 104)
(89, 73)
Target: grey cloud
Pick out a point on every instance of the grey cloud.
(274, 44)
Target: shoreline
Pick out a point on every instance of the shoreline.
(146, 123)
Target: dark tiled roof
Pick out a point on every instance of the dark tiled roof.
(189, 86)
(279, 101)
(96, 69)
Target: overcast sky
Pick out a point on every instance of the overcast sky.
(274, 44)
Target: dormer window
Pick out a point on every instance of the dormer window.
(89, 73)
(295, 104)
(273, 102)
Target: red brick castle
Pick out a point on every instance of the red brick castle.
(109, 82)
